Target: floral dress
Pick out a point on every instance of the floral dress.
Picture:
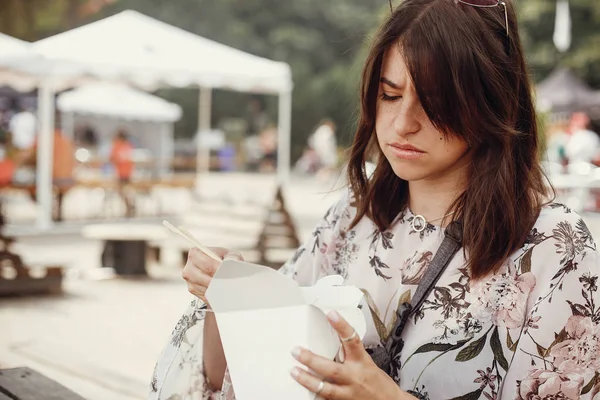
(529, 331)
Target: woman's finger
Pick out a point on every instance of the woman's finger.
(203, 262)
(233, 255)
(353, 347)
(195, 275)
(198, 291)
(332, 371)
(220, 251)
(326, 390)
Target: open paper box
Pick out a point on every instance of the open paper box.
(262, 315)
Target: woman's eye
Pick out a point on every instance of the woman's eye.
(386, 97)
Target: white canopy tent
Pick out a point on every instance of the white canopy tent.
(11, 47)
(133, 48)
(108, 107)
(118, 101)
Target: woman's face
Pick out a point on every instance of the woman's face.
(415, 149)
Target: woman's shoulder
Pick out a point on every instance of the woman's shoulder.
(344, 202)
(341, 210)
(555, 217)
(559, 234)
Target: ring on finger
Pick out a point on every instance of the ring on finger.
(349, 338)
(320, 387)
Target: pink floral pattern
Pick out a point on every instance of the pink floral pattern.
(549, 385)
(530, 331)
(580, 351)
(503, 297)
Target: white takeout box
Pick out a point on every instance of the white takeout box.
(262, 315)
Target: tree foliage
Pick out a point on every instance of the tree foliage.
(324, 41)
(537, 18)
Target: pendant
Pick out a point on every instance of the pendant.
(419, 223)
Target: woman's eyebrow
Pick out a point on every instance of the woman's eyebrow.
(390, 83)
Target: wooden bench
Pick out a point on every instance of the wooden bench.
(59, 193)
(129, 194)
(27, 384)
(126, 245)
(265, 234)
(18, 279)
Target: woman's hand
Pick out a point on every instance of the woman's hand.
(358, 378)
(200, 268)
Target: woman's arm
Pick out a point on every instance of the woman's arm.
(213, 355)
(558, 352)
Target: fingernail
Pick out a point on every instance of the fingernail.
(341, 356)
(233, 256)
(295, 372)
(334, 316)
(296, 351)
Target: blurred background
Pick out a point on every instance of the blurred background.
(230, 118)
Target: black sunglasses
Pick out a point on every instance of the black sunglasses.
(480, 4)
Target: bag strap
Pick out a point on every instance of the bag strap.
(450, 245)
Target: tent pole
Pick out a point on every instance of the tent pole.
(167, 148)
(204, 125)
(284, 142)
(44, 155)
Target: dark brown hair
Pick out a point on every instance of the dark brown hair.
(472, 82)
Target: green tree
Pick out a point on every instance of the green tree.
(35, 19)
(537, 18)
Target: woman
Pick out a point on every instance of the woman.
(515, 315)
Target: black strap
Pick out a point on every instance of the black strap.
(383, 356)
(450, 245)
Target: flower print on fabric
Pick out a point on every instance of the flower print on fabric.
(580, 350)
(503, 298)
(414, 267)
(529, 331)
(549, 385)
(339, 254)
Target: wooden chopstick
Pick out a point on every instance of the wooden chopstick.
(184, 233)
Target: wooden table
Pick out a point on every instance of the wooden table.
(127, 245)
(59, 192)
(27, 384)
(22, 282)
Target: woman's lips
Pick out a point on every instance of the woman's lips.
(406, 152)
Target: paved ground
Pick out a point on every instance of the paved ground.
(102, 337)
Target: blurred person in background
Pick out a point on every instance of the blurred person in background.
(511, 310)
(583, 144)
(268, 147)
(253, 153)
(23, 127)
(63, 158)
(557, 139)
(258, 119)
(7, 165)
(121, 156)
(308, 163)
(324, 142)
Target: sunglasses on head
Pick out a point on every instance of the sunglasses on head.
(480, 4)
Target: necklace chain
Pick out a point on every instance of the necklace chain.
(419, 223)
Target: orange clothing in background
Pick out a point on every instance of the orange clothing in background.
(122, 158)
(64, 157)
(7, 170)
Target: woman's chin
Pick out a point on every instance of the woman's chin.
(406, 173)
